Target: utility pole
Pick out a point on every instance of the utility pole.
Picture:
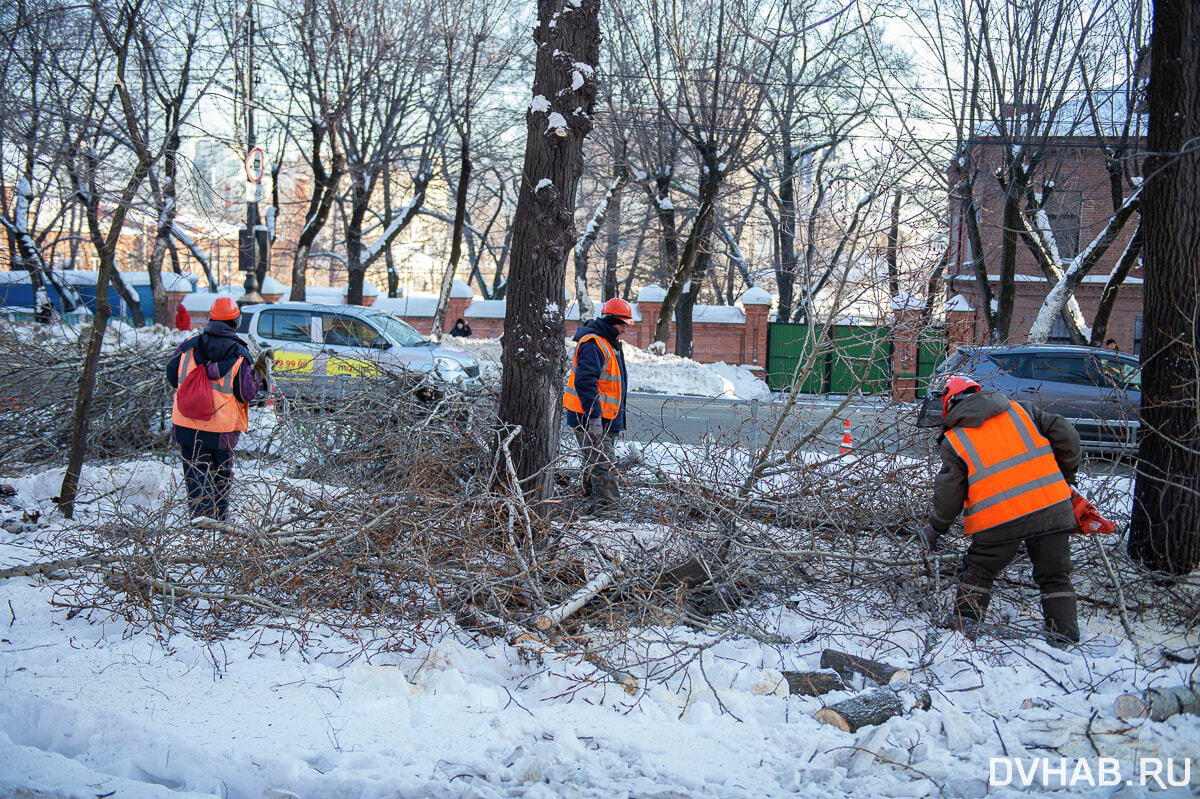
(253, 244)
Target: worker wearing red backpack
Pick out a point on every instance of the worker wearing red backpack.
(215, 379)
(1008, 468)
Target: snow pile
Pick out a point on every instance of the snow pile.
(648, 373)
(89, 709)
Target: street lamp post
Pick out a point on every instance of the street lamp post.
(253, 246)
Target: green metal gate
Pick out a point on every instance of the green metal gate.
(931, 350)
(829, 360)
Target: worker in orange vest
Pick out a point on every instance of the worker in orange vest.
(594, 398)
(207, 444)
(1007, 467)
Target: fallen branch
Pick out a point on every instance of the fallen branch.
(555, 615)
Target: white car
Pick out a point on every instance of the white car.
(319, 347)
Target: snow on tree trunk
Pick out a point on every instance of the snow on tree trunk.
(590, 233)
(558, 119)
(1061, 296)
(1164, 532)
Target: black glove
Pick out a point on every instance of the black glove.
(928, 538)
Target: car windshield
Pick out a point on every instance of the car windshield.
(397, 330)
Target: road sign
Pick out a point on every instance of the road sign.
(255, 160)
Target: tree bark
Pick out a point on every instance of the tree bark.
(1164, 533)
(873, 707)
(848, 665)
(533, 357)
(812, 683)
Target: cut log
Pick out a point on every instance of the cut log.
(874, 707)
(848, 665)
(1158, 704)
(812, 683)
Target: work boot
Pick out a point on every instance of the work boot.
(969, 627)
(1062, 621)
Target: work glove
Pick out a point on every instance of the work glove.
(262, 364)
(595, 426)
(928, 538)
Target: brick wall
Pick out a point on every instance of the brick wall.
(1080, 168)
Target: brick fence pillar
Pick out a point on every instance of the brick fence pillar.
(756, 304)
(650, 303)
(906, 338)
(960, 323)
(461, 297)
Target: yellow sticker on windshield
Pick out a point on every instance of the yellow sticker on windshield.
(292, 364)
(337, 367)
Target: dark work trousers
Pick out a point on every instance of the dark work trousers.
(599, 466)
(1050, 554)
(208, 472)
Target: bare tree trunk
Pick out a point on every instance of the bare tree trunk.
(1108, 298)
(595, 223)
(609, 288)
(460, 218)
(1164, 533)
(533, 359)
(893, 248)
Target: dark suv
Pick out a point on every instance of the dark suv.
(1098, 390)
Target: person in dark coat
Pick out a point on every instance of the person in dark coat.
(594, 399)
(461, 329)
(207, 445)
(1018, 495)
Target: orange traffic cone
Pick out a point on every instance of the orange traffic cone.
(271, 400)
(847, 443)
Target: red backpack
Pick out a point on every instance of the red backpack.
(195, 395)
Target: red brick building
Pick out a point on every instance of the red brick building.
(1078, 208)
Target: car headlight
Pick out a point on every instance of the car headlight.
(447, 365)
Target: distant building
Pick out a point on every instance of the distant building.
(1078, 208)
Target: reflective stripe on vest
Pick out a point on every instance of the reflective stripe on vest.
(608, 385)
(1011, 469)
(228, 414)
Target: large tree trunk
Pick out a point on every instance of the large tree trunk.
(534, 359)
(1164, 533)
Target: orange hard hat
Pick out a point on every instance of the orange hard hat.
(224, 309)
(955, 385)
(619, 308)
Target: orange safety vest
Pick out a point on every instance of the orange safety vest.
(608, 386)
(228, 414)
(1011, 469)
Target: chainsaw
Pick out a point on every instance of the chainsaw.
(1088, 520)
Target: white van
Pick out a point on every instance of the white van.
(317, 347)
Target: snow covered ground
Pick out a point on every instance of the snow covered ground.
(89, 709)
(648, 373)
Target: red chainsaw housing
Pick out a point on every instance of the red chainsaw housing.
(1088, 520)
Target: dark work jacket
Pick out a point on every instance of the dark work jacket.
(218, 345)
(950, 486)
(588, 371)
